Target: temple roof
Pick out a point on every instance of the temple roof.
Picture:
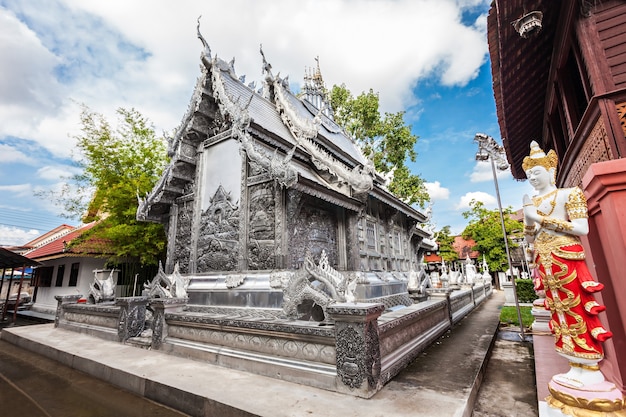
(520, 70)
(294, 141)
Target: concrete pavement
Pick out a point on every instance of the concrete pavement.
(443, 381)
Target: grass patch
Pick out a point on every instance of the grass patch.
(508, 316)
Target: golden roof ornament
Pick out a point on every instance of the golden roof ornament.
(538, 157)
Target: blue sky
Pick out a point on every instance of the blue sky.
(426, 57)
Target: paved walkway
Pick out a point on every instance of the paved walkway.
(443, 381)
(509, 385)
(34, 386)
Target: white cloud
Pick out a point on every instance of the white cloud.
(483, 172)
(8, 154)
(56, 172)
(487, 199)
(16, 191)
(28, 88)
(14, 236)
(436, 191)
(145, 54)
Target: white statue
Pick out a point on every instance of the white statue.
(486, 275)
(470, 271)
(102, 289)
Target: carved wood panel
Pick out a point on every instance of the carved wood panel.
(621, 112)
(595, 149)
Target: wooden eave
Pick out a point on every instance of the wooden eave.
(521, 72)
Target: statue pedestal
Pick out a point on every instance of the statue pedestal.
(509, 295)
(596, 399)
(541, 316)
(583, 391)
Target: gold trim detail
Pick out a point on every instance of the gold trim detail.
(568, 334)
(530, 229)
(557, 225)
(584, 366)
(587, 284)
(537, 201)
(584, 407)
(576, 205)
(548, 161)
(590, 305)
(547, 243)
(595, 332)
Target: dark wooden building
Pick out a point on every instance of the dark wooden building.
(564, 85)
(559, 78)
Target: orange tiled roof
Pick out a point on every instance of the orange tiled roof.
(58, 245)
(462, 248)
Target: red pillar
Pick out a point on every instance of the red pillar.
(604, 185)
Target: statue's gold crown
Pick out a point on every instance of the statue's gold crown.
(538, 157)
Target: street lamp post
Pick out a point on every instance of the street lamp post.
(488, 149)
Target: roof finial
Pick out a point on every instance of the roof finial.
(206, 54)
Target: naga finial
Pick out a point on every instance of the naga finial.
(206, 54)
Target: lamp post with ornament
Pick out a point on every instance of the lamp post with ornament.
(489, 149)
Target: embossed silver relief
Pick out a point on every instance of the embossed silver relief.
(278, 167)
(372, 355)
(182, 250)
(351, 357)
(315, 287)
(261, 247)
(132, 317)
(312, 230)
(167, 286)
(218, 240)
(280, 279)
(158, 323)
(234, 281)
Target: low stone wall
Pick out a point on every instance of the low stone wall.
(461, 303)
(357, 351)
(301, 352)
(117, 322)
(479, 294)
(405, 333)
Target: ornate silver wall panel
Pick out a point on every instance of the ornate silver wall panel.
(182, 251)
(262, 223)
(312, 229)
(218, 240)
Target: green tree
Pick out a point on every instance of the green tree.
(117, 166)
(386, 139)
(445, 242)
(485, 228)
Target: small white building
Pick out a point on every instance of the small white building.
(65, 270)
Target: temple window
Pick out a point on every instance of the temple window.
(397, 245)
(371, 235)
